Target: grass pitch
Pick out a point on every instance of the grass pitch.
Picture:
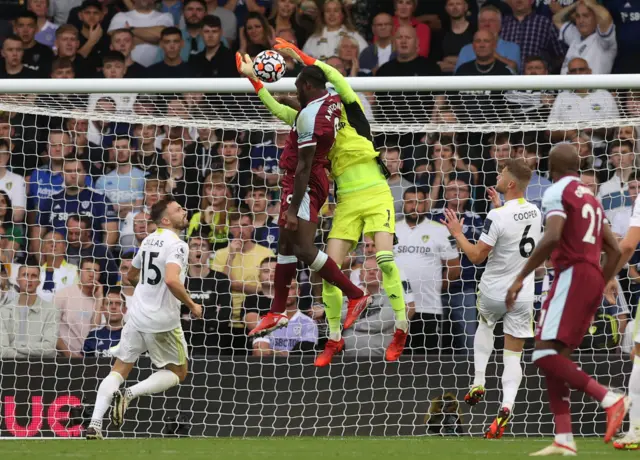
(306, 448)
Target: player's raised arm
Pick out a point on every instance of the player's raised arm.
(476, 253)
(342, 86)
(283, 112)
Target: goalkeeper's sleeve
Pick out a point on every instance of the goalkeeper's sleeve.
(342, 86)
(283, 112)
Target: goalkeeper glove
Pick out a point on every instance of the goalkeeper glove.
(245, 67)
(291, 50)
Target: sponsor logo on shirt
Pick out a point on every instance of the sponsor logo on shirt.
(402, 249)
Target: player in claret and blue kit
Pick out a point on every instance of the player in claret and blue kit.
(576, 233)
(305, 188)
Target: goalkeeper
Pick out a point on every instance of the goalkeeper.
(364, 204)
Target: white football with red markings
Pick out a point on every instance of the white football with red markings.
(269, 66)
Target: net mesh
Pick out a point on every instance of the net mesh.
(217, 154)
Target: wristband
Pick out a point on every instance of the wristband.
(257, 84)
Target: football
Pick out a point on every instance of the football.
(269, 66)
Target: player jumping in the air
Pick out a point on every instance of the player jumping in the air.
(305, 188)
(158, 271)
(510, 235)
(575, 235)
(364, 204)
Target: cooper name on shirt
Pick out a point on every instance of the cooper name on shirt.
(525, 215)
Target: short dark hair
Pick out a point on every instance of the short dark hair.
(621, 143)
(535, 58)
(122, 137)
(414, 190)
(30, 262)
(62, 63)
(243, 212)
(268, 260)
(314, 76)
(170, 31)
(202, 2)
(211, 21)
(128, 255)
(634, 176)
(89, 260)
(82, 219)
(158, 209)
(459, 176)
(13, 37)
(113, 56)
(24, 13)
(112, 289)
(4, 145)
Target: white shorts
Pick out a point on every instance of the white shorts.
(164, 347)
(517, 322)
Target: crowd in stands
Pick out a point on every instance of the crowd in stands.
(75, 193)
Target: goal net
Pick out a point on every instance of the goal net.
(214, 147)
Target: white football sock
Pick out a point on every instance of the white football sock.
(634, 393)
(107, 388)
(482, 348)
(511, 377)
(566, 439)
(156, 383)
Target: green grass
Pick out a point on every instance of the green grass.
(307, 448)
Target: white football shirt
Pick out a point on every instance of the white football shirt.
(513, 230)
(153, 307)
(422, 253)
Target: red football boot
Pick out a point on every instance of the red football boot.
(269, 323)
(331, 349)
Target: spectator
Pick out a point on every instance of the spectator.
(123, 272)
(427, 255)
(404, 10)
(36, 56)
(80, 307)
(532, 105)
(372, 333)
(266, 228)
(154, 191)
(147, 156)
(134, 229)
(236, 169)
(298, 337)
(397, 183)
(240, 261)
(108, 11)
(590, 180)
(627, 34)
(486, 62)
(146, 24)
(258, 304)
(591, 38)
(212, 290)
(113, 66)
(94, 43)
(59, 10)
(192, 39)
(7, 222)
(100, 132)
(256, 35)
(46, 28)
(348, 53)
(173, 7)
(331, 27)
(11, 252)
(172, 66)
(460, 296)
(582, 104)
(216, 60)
(28, 323)
(212, 218)
(620, 220)
(80, 245)
(242, 9)
(283, 17)
(100, 340)
(67, 44)
(622, 158)
(122, 41)
(264, 158)
(12, 54)
(490, 18)
(124, 186)
(293, 67)
(55, 272)
(538, 185)
(379, 52)
(227, 18)
(533, 33)
(459, 34)
(183, 182)
(12, 184)
(77, 198)
(62, 68)
(407, 62)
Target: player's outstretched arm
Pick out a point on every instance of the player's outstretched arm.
(342, 86)
(476, 253)
(283, 112)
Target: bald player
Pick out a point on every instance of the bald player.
(576, 233)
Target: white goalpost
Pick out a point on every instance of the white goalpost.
(205, 140)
